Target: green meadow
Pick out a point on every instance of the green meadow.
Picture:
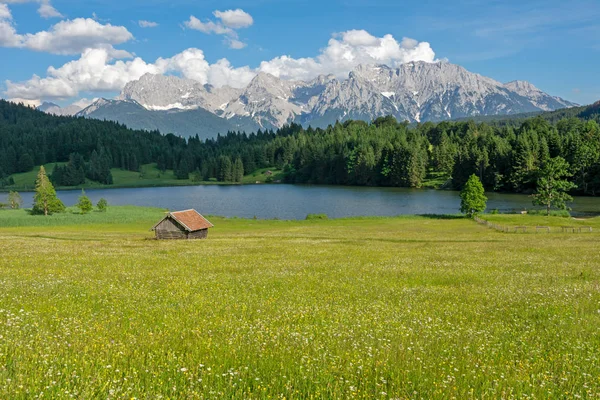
(408, 307)
(148, 176)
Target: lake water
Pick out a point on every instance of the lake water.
(296, 201)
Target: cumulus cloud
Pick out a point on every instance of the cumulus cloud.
(8, 33)
(147, 24)
(31, 103)
(228, 22)
(66, 37)
(95, 70)
(5, 13)
(74, 36)
(208, 26)
(345, 51)
(101, 70)
(46, 10)
(234, 19)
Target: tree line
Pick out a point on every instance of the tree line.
(505, 155)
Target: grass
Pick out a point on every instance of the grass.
(261, 176)
(532, 221)
(148, 176)
(408, 307)
(121, 215)
(435, 180)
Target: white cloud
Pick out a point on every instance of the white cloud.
(46, 10)
(223, 73)
(5, 13)
(8, 34)
(100, 69)
(235, 19)
(74, 36)
(95, 70)
(208, 26)
(345, 51)
(66, 37)
(147, 24)
(31, 103)
(234, 43)
(230, 21)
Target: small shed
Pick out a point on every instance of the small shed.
(188, 224)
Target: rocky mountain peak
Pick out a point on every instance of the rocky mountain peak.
(415, 91)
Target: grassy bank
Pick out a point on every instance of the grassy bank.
(409, 307)
(148, 176)
(540, 220)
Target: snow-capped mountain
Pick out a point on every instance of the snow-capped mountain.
(416, 91)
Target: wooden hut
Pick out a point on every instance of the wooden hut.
(188, 224)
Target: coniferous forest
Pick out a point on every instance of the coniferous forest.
(506, 154)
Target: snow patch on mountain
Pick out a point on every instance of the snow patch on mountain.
(415, 91)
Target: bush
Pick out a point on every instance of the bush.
(102, 205)
(553, 213)
(15, 200)
(84, 204)
(311, 217)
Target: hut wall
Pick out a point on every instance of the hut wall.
(169, 229)
(202, 234)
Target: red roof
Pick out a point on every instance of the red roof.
(192, 220)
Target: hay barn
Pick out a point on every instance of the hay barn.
(188, 224)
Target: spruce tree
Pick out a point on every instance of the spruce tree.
(472, 197)
(238, 170)
(45, 200)
(84, 204)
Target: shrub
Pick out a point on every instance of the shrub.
(15, 200)
(102, 205)
(553, 213)
(84, 204)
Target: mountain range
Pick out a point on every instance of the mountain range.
(415, 91)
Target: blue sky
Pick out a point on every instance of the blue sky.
(553, 44)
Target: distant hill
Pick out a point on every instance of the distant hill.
(588, 112)
(180, 122)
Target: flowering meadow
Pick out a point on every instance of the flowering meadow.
(386, 308)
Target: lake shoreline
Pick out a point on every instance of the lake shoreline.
(295, 202)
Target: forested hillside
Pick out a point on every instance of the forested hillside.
(506, 154)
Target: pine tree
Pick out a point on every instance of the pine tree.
(183, 169)
(472, 197)
(238, 170)
(225, 169)
(45, 200)
(552, 188)
(25, 163)
(84, 204)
